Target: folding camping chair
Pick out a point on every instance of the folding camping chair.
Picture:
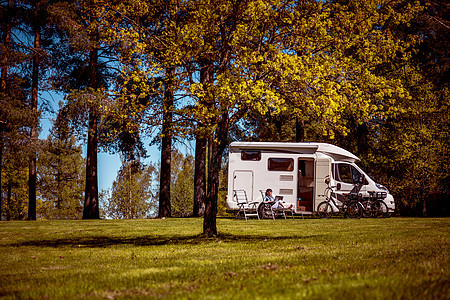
(283, 210)
(266, 210)
(247, 208)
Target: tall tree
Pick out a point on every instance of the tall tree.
(166, 145)
(85, 75)
(5, 17)
(15, 113)
(151, 90)
(91, 206)
(206, 78)
(37, 16)
(132, 196)
(315, 59)
(311, 47)
(60, 174)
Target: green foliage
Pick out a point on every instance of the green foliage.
(401, 137)
(394, 258)
(15, 119)
(370, 76)
(314, 60)
(60, 174)
(182, 184)
(223, 187)
(132, 192)
(14, 189)
(417, 160)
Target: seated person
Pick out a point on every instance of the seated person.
(269, 197)
(277, 202)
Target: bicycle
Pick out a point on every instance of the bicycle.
(327, 208)
(374, 206)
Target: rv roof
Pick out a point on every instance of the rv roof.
(334, 151)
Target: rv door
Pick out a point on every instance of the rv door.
(243, 180)
(323, 169)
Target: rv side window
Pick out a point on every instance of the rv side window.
(251, 155)
(281, 164)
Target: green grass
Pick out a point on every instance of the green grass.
(395, 258)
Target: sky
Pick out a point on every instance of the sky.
(108, 164)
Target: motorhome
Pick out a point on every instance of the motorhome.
(296, 171)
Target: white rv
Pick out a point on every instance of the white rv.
(295, 171)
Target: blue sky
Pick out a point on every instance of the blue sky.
(108, 164)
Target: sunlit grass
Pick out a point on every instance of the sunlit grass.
(395, 258)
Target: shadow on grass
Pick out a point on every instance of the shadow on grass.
(104, 241)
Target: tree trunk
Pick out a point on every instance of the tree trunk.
(8, 201)
(91, 209)
(218, 145)
(200, 176)
(206, 78)
(91, 205)
(299, 130)
(33, 129)
(166, 148)
(362, 131)
(4, 75)
(1, 170)
(209, 220)
(423, 197)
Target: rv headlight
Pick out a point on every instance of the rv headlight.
(381, 187)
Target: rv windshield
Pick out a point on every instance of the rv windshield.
(346, 173)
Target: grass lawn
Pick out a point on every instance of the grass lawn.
(395, 258)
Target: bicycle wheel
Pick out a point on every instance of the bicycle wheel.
(263, 211)
(366, 209)
(324, 210)
(354, 210)
(381, 209)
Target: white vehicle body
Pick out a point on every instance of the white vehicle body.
(295, 171)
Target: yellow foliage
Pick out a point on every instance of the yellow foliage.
(317, 57)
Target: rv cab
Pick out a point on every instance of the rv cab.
(296, 171)
(346, 175)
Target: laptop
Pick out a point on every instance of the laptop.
(278, 198)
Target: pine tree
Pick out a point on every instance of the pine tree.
(132, 195)
(182, 183)
(61, 182)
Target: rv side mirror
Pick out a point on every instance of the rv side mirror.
(338, 186)
(362, 179)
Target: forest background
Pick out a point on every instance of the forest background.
(369, 76)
